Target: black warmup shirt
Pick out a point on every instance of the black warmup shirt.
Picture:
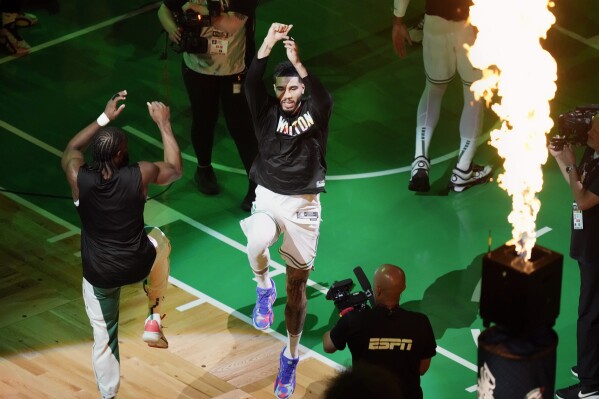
(583, 244)
(115, 249)
(291, 149)
(396, 340)
(453, 10)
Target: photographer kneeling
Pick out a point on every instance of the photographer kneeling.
(399, 340)
(584, 185)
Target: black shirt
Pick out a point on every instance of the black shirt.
(291, 149)
(583, 244)
(453, 10)
(115, 250)
(396, 340)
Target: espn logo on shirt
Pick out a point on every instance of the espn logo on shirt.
(390, 344)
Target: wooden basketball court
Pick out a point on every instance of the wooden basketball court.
(45, 350)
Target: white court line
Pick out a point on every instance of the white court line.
(192, 304)
(591, 42)
(151, 140)
(475, 333)
(340, 177)
(62, 236)
(241, 316)
(85, 31)
(187, 157)
(542, 231)
(27, 137)
(472, 388)
(457, 359)
(278, 267)
(41, 211)
(483, 138)
(202, 298)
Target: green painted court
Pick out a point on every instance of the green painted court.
(84, 52)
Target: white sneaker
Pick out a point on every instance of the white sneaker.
(477, 174)
(419, 178)
(153, 335)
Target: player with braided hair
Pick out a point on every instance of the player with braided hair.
(104, 146)
(116, 249)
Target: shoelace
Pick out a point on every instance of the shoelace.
(263, 300)
(287, 372)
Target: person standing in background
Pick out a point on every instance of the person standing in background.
(214, 77)
(446, 30)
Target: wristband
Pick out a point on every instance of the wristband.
(103, 120)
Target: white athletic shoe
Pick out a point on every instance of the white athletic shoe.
(419, 178)
(463, 179)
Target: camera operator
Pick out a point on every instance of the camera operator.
(399, 340)
(584, 184)
(213, 76)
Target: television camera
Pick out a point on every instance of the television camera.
(191, 24)
(344, 299)
(573, 126)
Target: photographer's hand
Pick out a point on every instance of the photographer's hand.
(565, 156)
(168, 23)
(566, 160)
(174, 34)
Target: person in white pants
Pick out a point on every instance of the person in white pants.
(116, 250)
(446, 30)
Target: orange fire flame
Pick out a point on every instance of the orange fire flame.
(522, 74)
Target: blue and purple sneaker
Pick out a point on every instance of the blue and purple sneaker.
(263, 316)
(285, 382)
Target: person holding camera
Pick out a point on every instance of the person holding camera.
(399, 340)
(213, 72)
(583, 181)
(290, 172)
(116, 250)
(445, 33)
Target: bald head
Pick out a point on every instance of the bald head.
(389, 283)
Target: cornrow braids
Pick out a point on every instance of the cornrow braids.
(104, 147)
